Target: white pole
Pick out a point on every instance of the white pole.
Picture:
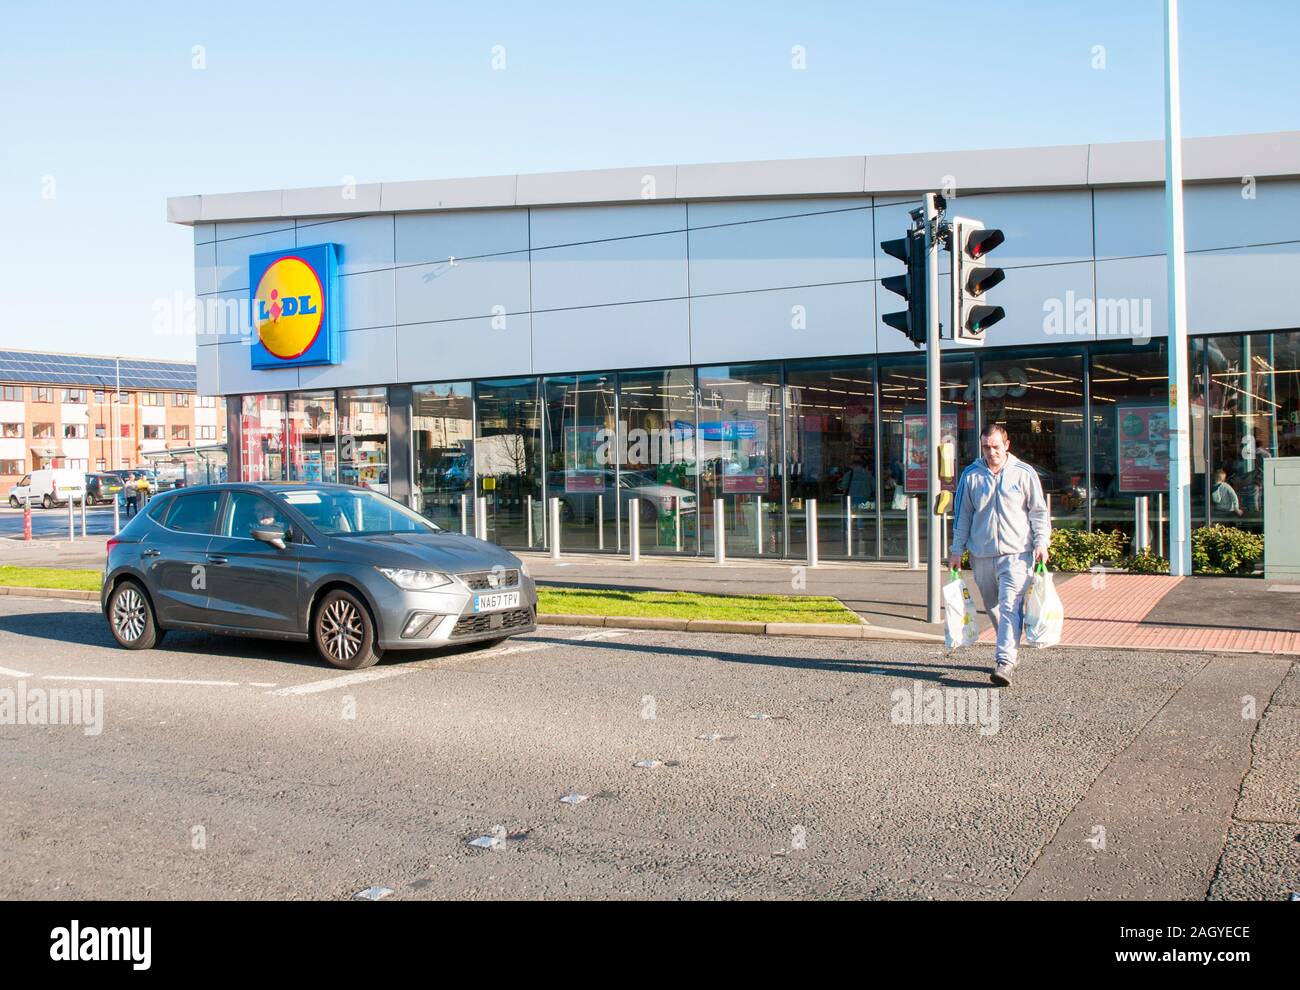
(913, 536)
(848, 526)
(480, 517)
(1180, 464)
(555, 529)
(933, 421)
(71, 532)
(719, 531)
(1141, 537)
(810, 514)
(677, 507)
(758, 525)
(634, 529)
(1160, 524)
(464, 515)
(600, 522)
(529, 509)
(83, 513)
(117, 523)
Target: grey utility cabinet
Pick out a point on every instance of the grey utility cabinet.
(1281, 518)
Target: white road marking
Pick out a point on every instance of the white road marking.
(139, 680)
(346, 680)
(262, 683)
(13, 673)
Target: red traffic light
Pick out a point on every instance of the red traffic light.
(981, 242)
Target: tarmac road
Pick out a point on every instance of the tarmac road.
(247, 769)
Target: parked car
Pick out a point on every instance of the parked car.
(348, 569)
(657, 498)
(49, 487)
(102, 487)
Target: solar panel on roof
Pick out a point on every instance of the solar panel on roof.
(42, 368)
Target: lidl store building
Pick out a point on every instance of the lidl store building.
(698, 333)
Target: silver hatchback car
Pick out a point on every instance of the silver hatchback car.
(353, 571)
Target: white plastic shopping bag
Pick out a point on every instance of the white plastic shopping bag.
(958, 614)
(1044, 614)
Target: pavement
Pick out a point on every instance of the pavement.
(790, 768)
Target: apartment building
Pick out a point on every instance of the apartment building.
(95, 413)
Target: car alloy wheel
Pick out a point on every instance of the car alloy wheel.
(13, 502)
(129, 617)
(344, 632)
(341, 630)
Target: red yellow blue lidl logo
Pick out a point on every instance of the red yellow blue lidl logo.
(295, 319)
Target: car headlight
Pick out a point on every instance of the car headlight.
(409, 580)
(523, 569)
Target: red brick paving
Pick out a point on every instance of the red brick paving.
(1108, 609)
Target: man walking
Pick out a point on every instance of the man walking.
(131, 495)
(1001, 516)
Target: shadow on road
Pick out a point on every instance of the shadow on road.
(941, 673)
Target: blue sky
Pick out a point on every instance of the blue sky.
(104, 100)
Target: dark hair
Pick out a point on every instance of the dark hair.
(991, 428)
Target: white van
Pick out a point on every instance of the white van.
(49, 487)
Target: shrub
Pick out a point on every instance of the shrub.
(1223, 549)
(1145, 562)
(1079, 550)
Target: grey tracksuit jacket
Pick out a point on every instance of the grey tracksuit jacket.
(1002, 513)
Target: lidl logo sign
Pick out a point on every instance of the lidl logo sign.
(294, 306)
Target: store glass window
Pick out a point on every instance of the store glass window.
(739, 450)
(1130, 437)
(1254, 401)
(363, 438)
(904, 448)
(442, 429)
(507, 455)
(831, 455)
(581, 445)
(656, 457)
(261, 442)
(1038, 398)
(313, 451)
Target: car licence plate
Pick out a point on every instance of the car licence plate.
(492, 603)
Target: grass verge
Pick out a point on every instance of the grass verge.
(65, 579)
(692, 605)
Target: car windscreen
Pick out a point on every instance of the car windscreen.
(355, 512)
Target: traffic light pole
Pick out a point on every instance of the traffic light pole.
(932, 420)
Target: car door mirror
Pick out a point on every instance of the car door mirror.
(273, 535)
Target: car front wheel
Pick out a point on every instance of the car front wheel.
(344, 633)
(13, 501)
(131, 618)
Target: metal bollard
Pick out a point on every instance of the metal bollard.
(677, 511)
(480, 518)
(913, 536)
(600, 522)
(848, 526)
(1160, 524)
(72, 536)
(758, 525)
(810, 518)
(555, 529)
(1141, 532)
(634, 529)
(83, 515)
(464, 515)
(528, 507)
(719, 531)
(117, 523)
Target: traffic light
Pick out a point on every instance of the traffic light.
(910, 250)
(971, 278)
